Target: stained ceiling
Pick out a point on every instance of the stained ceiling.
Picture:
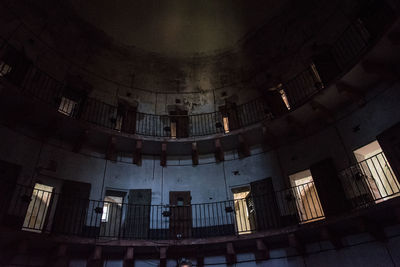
(178, 27)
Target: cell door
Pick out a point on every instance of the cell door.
(72, 207)
(265, 206)
(137, 221)
(11, 195)
(180, 221)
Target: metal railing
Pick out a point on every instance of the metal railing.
(369, 181)
(45, 211)
(41, 209)
(358, 37)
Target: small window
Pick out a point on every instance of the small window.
(316, 75)
(111, 204)
(226, 124)
(375, 172)
(309, 207)
(118, 122)
(173, 130)
(284, 98)
(67, 106)
(179, 201)
(4, 69)
(36, 213)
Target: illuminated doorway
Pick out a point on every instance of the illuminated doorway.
(38, 207)
(307, 201)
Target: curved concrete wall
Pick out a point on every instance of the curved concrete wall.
(60, 43)
(209, 181)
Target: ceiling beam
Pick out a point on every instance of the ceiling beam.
(230, 254)
(95, 259)
(262, 252)
(111, 153)
(59, 258)
(296, 243)
(129, 257)
(332, 236)
(195, 154)
(219, 152)
(137, 155)
(356, 94)
(163, 256)
(163, 156)
(376, 230)
(244, 150)
(323, 110)
(270, 140)
(80, 141)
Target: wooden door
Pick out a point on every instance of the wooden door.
(326, 65)
(275, 103)
(19, 63)
(72, 207)
(230, 111)
(11, 212)
(181, 119)
(137, 221)
(265, 205)
(330, 190)
(180, 221)
(128, 114)
(389, 141)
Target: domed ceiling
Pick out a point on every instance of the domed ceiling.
(178, 27)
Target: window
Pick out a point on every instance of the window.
(375, 172)
(112, 204)
(226, 124)
(37, 210)
(4, 69)
(67, 106)
(305, 193)
(173, 130)
(243, 208)
(284, 97)
(179, 201)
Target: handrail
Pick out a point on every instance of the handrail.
(342, 54)
(37, 210)
(32, 209)
(369, 181)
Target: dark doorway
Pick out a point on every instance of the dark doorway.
(9, 173)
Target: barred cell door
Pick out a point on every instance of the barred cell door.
(180, 222)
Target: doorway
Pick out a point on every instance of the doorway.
(36, 214)
(377, 172)
(244, 210)
(308, 204)
(111, 217)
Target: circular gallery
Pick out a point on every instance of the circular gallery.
(199, 133)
